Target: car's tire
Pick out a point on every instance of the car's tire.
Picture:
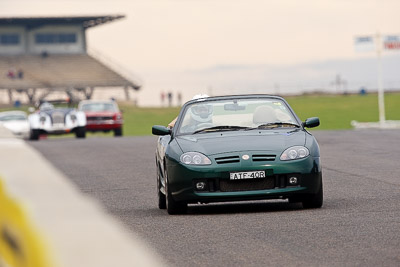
(293, 200)
(80, 132)
(173, 207)
(160, 196)
(314, 201)
(34, 134)
(118, 132)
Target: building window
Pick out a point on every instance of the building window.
(55, 38)
(9, 39)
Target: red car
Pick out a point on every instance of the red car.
(102, 116)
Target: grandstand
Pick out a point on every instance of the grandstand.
(45, 54)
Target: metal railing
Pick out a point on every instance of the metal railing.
(118, 68)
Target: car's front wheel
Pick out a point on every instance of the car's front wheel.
(314, 201)
(118, 132)
(34, 134)
(160, 196)
(80, 132)
(173, 207)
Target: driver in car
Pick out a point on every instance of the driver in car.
(198, 96)
(200, 116)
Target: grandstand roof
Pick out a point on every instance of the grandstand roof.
(33, 22)
(58, 72)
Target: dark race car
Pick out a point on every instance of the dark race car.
(232, 148)
(102, 116)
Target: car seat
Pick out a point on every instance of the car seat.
(264, 114)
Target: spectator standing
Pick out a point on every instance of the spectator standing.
(170, 99)
(179, 99)
(162, 98)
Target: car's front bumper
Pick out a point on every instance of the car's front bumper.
(219, 187)
(103, 125)
(58, 129)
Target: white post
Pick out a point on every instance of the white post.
(381, 100)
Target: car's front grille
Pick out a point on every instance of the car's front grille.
(224, 160)
(57, 117)
(263, 157)
(92, 118)
(247, 185)
(255, 157)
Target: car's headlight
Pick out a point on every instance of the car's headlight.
(194, 158)
(295, 152)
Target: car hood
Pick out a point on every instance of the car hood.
(16, 126)
(51, 111)
(225, 142)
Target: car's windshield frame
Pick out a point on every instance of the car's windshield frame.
(280, 103)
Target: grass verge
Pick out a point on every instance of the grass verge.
(335, 112)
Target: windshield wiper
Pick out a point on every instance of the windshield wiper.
(277, 124)
(221, 128)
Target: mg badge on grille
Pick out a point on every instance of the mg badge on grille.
(245, 157)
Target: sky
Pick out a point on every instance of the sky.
(182, 45)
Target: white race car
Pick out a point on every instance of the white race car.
(16, 121)
(51, 120)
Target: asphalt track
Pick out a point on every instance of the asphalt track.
(359, 223)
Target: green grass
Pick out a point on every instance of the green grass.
(138, 121)
(334, 111)
(337, 111)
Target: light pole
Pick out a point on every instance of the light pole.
(381, 97)
(378, 43)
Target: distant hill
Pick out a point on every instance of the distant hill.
(315, 76)
(274, 79)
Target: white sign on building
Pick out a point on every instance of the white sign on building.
(364, 44)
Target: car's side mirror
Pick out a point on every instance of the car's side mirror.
(160, 130)
(311, 122)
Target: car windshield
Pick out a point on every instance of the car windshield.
(236, 115)
(98, 107)
(13, 117)
(46, 106)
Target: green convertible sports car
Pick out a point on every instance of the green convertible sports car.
(232, 148)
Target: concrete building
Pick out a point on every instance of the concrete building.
(39, 55)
